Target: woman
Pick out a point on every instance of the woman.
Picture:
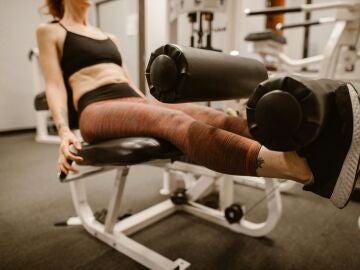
(76, 55)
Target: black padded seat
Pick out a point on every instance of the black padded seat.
(266, 35)
(127, 151)
(40, 102)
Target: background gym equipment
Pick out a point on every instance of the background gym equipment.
(199, 12)
(341, 53)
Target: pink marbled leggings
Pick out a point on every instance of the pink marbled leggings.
(208, 137)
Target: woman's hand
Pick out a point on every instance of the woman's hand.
(65, 156)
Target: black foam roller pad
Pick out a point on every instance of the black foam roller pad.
(287, 113)
(184, 74)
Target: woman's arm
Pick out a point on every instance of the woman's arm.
(54, 85)
(56, 95)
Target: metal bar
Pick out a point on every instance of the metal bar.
(300, 62)
(259, 182)
(202, 187)
(82, 208)
(306, 24)
(272, 11)
(226, 191)
(146, 256)
(330, 5)
(142, 44)
(306, 7)
(331, 51)
(115, 200)
(195, 169)
(307, 34)
(89, 172)
(145, 218)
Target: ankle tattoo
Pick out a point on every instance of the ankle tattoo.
(259, 163)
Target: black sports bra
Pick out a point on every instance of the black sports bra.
(81, 51)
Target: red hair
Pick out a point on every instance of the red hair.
(55, 8)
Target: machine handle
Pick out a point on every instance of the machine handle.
(281, 26)
(306, 7)
(272, 11)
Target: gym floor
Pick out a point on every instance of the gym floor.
(312, 234)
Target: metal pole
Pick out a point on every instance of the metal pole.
(307, 33)
(142, 43)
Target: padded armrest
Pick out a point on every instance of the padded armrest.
(127, 151)
(40, 102)
(266, 35)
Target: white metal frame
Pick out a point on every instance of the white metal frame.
(175, 8)
(255, 182)
(260, 182)
(345, 33)
(203, 181)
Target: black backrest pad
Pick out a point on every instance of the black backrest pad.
(183, 74)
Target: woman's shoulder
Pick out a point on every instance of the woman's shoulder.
(46, 27)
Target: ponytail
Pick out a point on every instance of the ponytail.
(54, 8)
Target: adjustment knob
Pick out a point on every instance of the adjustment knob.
(234, 213)
(179, 196)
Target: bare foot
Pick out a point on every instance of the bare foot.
(286, 165)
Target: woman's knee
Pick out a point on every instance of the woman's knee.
(87, 132)
(176, 122)
(177, 118)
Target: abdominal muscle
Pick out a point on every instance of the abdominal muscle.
(92, 77)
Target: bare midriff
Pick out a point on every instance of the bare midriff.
(92, 77)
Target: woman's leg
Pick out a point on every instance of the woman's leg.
(292, 165)
(204, 144)
(210, 116)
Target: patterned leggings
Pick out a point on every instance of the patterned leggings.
(208, 137)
